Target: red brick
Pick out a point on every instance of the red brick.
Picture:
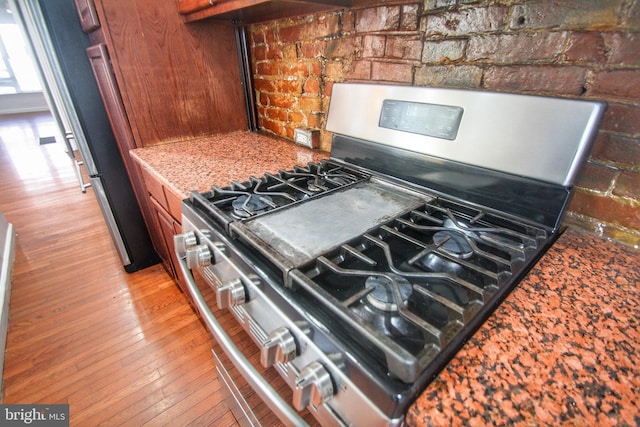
(312, 49)
(392, 72)
(624, 48)
(616, 84)
(294, 69)
(615, 211)
(586, 47)
(410, 17)
(314, 120)
(289, 34)
(333, 70)
(291, 87)
(628, 185)
(273, 126)
(296, 119)
(373, 46)
(269, 35)
(622, 118)
(264, 85)
(467, 21)
(617, 149)
(460, 76)
(289, 131)
(272, 53)
(348, 22)
(360, 70)
(263, 98)
(311, 86)
(443, 52)
(568, 14)
(259, 53)
(403, 47)
(310, 103)
(256, 36)
(377, 19)
(341, 48)
(321, 26)
(597, 177)
(280, 101)
(267, 68)
(315, 69)
(289, 52)
(510, 48)
(276, 114)
(536, 78)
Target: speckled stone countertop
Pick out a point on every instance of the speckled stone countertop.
(562, 349)
(199, 164)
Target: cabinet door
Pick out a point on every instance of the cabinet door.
(102, 71)
(164, 229)
(105, 79)
(168, 228)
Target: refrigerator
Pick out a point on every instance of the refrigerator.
(59, 46)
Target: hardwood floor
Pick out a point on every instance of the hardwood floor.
(120, 349)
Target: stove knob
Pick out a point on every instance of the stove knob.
(185, 241)
(230, 294)
(313, 386)
(280, 347)
(199, 256)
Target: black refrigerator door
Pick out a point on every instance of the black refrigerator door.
(105, 162)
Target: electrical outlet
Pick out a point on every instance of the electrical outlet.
(308, 137)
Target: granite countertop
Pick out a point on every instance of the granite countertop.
(198, 164)
(563, 348)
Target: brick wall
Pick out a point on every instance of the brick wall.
(575, 48)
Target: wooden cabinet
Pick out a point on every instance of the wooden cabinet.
(242, 12)
(177, 82)
(188, 6)
(166, 211)
(161, 81)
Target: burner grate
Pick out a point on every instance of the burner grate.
(427, 272)
(243, 200)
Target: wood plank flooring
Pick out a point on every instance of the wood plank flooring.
(120, 349)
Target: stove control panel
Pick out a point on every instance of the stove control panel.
(439, 121)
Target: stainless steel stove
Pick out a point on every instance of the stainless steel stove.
(359, 277)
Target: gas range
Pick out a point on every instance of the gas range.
(359, 277)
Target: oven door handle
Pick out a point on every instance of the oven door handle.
(272, 399)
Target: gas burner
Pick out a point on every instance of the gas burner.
(316, 185)
(383, 296)
(246, 206)
(436, 263)
(454, 239)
